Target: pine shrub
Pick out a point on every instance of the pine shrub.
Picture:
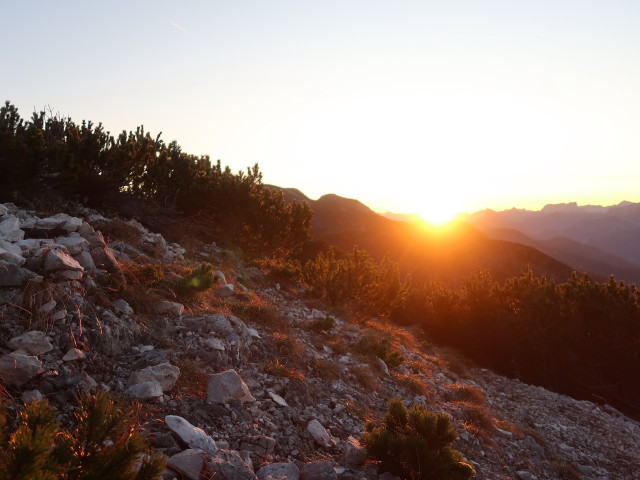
(102, 445)
(198, 280)
(415, 444)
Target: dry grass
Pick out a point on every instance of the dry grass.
(365, 378)
(464, 393)
(338, 344)
(287, 347)
(477, 420)
(413, 383)
(254, 309)
(566, 471)
(356, 410)
(325, 369)
(192, 378)
(455, 361)
(395, 334)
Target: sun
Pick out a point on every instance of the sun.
(438, 216)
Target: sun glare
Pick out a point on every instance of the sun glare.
(438, 217)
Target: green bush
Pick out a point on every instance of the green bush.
(373, 345)
(415, 444)
(198, 280)
(102, 445)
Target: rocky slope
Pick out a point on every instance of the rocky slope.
(252, 378)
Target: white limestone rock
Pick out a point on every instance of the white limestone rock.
(61, 220)
(188, 463)
(10, 230)
(226, 386)
(74, 245)
(121, 306)
(72, 355)
(31, 396)
(57, 260)
(281, 471)
(165, 374)
(17, 369)
(145, 390)
(320, 434)
(194, 437)
(278, 399)
(33, 342)
(354, 454)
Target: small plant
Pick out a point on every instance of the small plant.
(415, 444)
(465, 393)
(325, 369)
(365, 378)
(373, 345)
(412, 382)
(102, 445)
(198, 280)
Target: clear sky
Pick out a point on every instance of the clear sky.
(414, 106)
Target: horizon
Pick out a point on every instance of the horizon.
(431, 109)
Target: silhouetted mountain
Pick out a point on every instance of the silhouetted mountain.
(602, 240)
(426, 253)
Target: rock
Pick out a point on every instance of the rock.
(10, 230)
(72, 355)
(281, 471)
(17, 369)
(31, 396)
(219, 277)
(169, 308)
(278, 399)
(86, 260)
(194, 437)
(354, 455)
(319, 434)
(226, 386)
(3, 210)
(145, 390)
(121, 306)
(188, 463)
(225, 290)
(61, 220)
(33, 342)
(382, 366)
(214, 344)
(319, 470)
(56, 260)
(11, 275)
(10, 252)
(228, 465)
(165, 374)
(47, 307)
(261, 445)
(524, 475)
(74, 245)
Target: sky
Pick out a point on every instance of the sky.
(433, 107)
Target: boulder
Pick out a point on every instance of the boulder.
(354, 455)
(145, 390)
(319, 434)
(72, 355)
(31, 396)
(11, 275)
(74, 245)
(10, 230)
(194, 437)
(11, 252)
(165, 374)
(281, 471)
(33, 342)
(61, 220)
(226, 386)
(86, 260)
(17, 369)
(121, 306)
(188, 463)
(319, 470)
(228, 465)
(56, 260)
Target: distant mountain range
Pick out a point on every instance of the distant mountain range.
(597, 239)
(425, 253)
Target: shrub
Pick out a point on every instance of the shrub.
(198, 280)
(380, 347)
(322, 324)
(415, 444)
(102, 445)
